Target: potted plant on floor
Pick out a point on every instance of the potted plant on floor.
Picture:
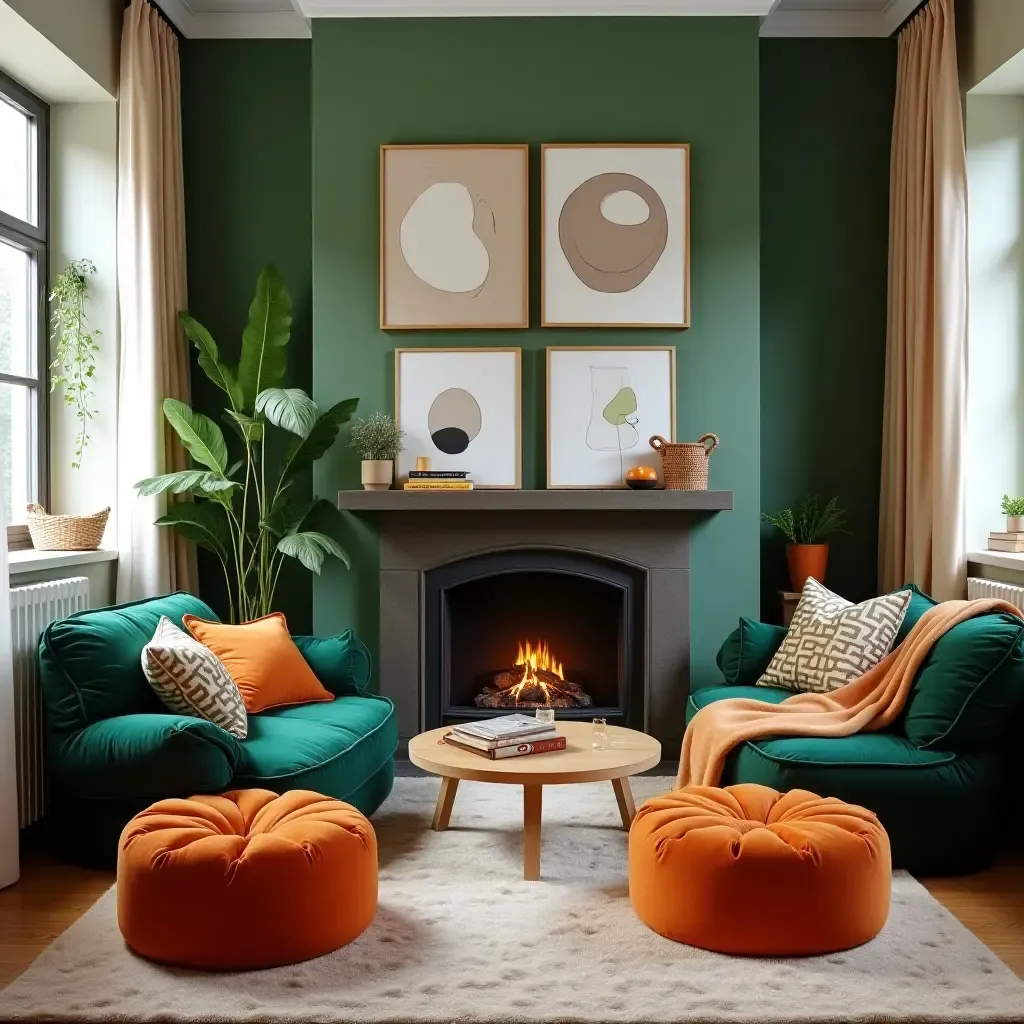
(807, 526)
(379, 441)
(1013, 509)
(250, 511)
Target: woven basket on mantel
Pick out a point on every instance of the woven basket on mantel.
(65, 533)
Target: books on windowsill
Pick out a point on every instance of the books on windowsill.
(506, 736)
(1006, 541)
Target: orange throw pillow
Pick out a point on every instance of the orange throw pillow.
(262, 659)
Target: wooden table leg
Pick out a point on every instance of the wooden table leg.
(624, 798)
(445, 799)
(531, 832)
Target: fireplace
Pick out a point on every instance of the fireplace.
(519, 629)
(603, 577)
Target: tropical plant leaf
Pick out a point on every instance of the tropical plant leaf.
(210, 362)
(290, 409)
(199, 434)
(265, 337)
(288, 512)
(310, 548)
(248, 429)
(186, 482)
(202, 522)
(303, 452)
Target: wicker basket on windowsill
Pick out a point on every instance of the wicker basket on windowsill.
(65, 533)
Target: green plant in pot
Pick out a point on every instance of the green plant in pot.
(807, 527)
(1013, 509)
(379, 442)
(247, 511)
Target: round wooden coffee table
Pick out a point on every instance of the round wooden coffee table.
(629, 753)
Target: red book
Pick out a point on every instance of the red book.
(519, 750)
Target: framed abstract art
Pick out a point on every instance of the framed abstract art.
(615, 244)
(462, 407)
(453, 236)
(603, 406)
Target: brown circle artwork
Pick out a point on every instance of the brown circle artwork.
(604, 255)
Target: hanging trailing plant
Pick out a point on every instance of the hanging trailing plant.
(74, 363)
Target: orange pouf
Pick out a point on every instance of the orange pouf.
(248, 879)
(748, 870)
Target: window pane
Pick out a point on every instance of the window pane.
(17, 313)
(17, 449)
(16, 163)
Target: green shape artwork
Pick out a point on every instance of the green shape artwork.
(621, 407)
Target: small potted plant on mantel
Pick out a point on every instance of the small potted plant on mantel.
(1013, 509)
(379, 441)
(807, 526)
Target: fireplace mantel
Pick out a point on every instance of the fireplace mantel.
(582, 500)
(647, 532)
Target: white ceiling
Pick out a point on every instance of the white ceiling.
(290, 18)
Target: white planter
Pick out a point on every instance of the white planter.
(377, 474)
(1015, 524)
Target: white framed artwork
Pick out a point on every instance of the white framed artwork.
(603, 406)
(615, 246)
(462, 407)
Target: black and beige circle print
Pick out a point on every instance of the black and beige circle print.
(613, 229)
(454, 420)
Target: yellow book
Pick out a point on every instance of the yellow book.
(439, 485)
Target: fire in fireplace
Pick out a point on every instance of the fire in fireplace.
(535, 680)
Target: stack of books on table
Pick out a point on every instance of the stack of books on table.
(508, 736)
(1006, 542)
(439, 480)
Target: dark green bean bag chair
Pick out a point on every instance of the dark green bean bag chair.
(113, 748)
(939, 779)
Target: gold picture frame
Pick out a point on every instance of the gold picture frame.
(488, 393)
(409, 302)
(554, 421)
(554, 263)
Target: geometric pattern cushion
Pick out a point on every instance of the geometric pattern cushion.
(190, 679)
(831, 642)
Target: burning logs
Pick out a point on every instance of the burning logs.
(526, 687)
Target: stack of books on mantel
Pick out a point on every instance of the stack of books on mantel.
(439, 480)
(1006, 542)
(508, 736)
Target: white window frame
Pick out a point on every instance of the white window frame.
(34, 240)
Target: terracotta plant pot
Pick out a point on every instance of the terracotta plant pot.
(1015, 524)
(377, 474)
(806, 560)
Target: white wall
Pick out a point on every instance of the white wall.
(995, 402)
(83, 207)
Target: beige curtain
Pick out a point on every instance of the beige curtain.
(922, 516)
(151, 284)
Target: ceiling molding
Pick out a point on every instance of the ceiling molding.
(529, 8)
(250, 25)
(824, 24)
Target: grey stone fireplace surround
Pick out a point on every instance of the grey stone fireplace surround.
(646, 534)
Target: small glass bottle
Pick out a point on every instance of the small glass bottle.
(545, 715)
(599, 738)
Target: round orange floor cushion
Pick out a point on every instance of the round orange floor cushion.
(248, 879)
(748, 870)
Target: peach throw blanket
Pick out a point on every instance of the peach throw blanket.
(869, 703)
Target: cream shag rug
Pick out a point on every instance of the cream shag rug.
(459, 936)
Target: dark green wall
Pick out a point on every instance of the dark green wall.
(826, 121)
(544, 80)
(247, 149)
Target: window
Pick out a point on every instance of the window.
(24, 131)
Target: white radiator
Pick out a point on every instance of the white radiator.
(33, 608)
(993, 588)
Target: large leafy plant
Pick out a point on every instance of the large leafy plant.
(247, 512)
(812, 521)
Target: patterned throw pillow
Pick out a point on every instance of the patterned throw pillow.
(190, 679)
(831, 642)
